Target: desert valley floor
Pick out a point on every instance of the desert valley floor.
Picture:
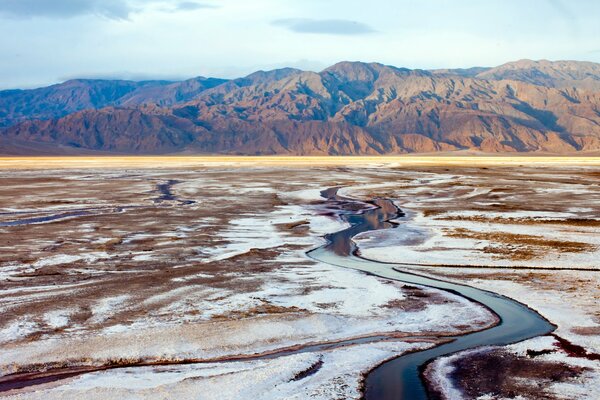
(183, 277)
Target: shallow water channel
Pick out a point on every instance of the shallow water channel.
(400, 378)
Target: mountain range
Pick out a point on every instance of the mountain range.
(349, 108)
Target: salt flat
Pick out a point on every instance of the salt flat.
(168, 259)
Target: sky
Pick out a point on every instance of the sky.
(48, 41)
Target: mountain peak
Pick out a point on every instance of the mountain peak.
(560, 74)
(348, 108)
(355, 71)
(266, 76)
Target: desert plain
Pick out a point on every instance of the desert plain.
(188, 277)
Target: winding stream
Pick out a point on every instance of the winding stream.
(400, 378)
(396, 379)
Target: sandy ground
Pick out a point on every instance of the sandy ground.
(127, 260)
(162, 162)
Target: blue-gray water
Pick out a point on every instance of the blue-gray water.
(395, 379)
(400, 378)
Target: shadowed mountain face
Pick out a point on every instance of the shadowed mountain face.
(83, 94)
(349, 108)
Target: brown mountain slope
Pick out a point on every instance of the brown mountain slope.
(560, 74)
(349, 108)
(84, 94)
(109, 130)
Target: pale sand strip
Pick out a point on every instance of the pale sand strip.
(282, 161)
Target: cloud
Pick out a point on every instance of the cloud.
(192, 5)
(125, 75)
(324, 26)
(116, 9)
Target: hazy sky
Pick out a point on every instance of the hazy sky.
(47, 41)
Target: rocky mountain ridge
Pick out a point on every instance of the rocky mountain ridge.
(349, 108)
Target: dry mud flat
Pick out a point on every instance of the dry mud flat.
(111, 262)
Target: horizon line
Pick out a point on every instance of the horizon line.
(158, 78)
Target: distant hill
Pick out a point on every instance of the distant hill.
(348, 108)
(85, 94)
(557, 74)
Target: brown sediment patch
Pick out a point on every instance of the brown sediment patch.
(593, 174)
(275, 200)
(263, 309)
(491, 267)
(326, 306)
(502, 374)
(313, 369)
(579, 222)
(293, 225)
(586, 330)
(296, 228)
(430, 212)
(536, 353)
(519, 246)
(417, 299)
(374, 196)
(575, 350)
